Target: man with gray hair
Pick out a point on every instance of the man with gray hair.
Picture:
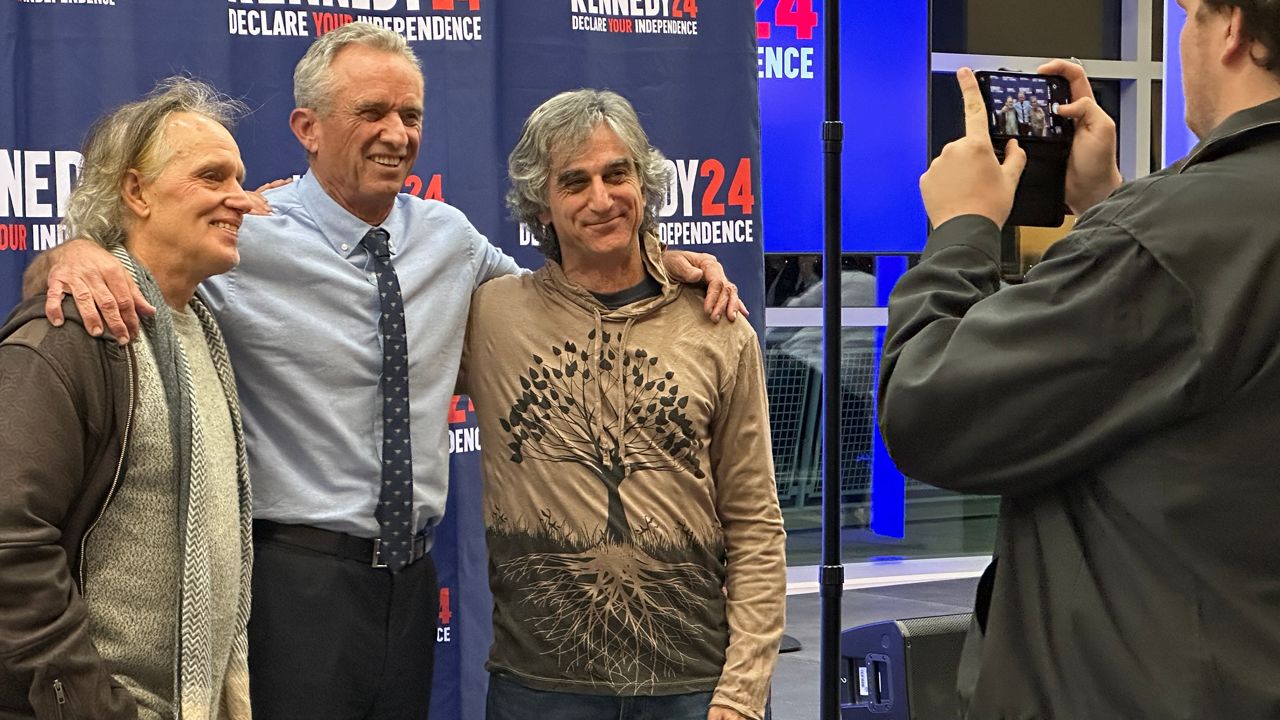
(125, 536)
(345, 321)
(636, 548)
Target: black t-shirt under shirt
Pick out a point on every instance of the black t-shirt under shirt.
(647, 288)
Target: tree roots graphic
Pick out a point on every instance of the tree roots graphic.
(614, 609)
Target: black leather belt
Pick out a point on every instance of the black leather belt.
(349, 547)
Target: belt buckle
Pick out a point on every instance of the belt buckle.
(377, 554)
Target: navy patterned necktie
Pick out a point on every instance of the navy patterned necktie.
(395, 502)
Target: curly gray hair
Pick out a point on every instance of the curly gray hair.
(562, 124)
(313, 83)
(133, 137)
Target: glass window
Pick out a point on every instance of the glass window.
(795, 280)
(938, 523)
(1157, 33)
(1083, 29)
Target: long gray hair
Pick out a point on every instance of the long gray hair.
(133, 137)
(561, 125)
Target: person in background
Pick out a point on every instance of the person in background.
(1022, 108)
(1038, 120)
(1008, 116)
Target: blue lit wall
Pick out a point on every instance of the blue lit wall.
(884, 96)
(1178, 138)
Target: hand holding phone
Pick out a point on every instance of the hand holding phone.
(1092, 172)
(1027, 108)
(967, 179)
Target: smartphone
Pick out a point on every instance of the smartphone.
(1025, 107)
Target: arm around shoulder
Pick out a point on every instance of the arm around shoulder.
(102, 289)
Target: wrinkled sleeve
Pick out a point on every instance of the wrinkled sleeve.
(491, 262)
(44, 628)
(1009, 392)
(473, 320)
(755, 543)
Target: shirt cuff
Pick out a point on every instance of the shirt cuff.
(975, 231)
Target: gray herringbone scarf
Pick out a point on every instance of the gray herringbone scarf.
(193, 697)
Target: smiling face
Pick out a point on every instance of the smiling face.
(595, 204)
(185, 219)
(364, 146)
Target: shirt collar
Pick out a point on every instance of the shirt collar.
(340, 228)
(1241, 123)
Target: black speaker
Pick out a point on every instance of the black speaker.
(902, 669)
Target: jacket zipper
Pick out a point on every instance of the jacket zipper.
(61, 695)
(1191, 160)
(115, 481)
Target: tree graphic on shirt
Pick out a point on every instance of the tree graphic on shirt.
(640, 410)
(615, 604)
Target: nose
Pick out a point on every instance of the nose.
(238, 198)
(394, 132)
(598, 198)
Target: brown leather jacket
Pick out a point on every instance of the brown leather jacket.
(67, 402)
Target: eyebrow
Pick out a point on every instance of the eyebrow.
(220, 166)
(572, 174)
(568, 176)
(381, 106)
(624, 163)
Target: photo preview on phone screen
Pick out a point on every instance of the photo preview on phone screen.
(1025, 106)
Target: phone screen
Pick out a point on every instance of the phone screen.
(1026, 106)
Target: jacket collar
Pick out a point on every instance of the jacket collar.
(1236, 126)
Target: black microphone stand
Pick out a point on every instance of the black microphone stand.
(831, 573)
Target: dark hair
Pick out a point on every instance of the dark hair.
(1261, 20)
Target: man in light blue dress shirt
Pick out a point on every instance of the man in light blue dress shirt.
(1022, 107)
(334, 634)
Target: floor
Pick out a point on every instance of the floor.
(874, 591)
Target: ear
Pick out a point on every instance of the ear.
(1235, 43)
(304, 122)
(132, 191)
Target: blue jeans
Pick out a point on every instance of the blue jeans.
(509, 700)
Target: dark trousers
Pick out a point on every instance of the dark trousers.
(509, 700)
(334, 639)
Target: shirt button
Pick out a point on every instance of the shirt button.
(345, 247)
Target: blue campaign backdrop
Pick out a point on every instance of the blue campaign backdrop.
(884, 104)
(689, 68)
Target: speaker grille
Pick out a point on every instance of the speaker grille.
(939, 624)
